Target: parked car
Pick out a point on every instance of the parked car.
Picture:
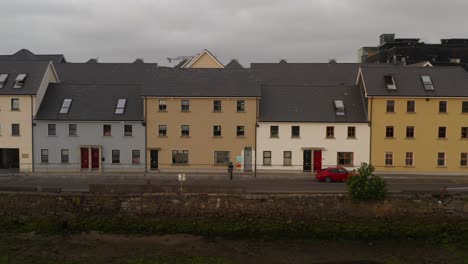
(334, 174)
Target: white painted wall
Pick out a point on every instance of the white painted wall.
(312, 135)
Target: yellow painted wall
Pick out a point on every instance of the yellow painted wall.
(22, 117)
(205, 61)
(426, 144)
(201, 119)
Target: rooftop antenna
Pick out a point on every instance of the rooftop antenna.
(179, 58)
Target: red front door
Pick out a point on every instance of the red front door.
(84, 158)
(317, 160)
(94, 158)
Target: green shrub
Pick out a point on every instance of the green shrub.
(366, 185)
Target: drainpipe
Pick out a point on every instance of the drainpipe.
(32, 135)
(145, 127)
(256, 127)
(370, 124)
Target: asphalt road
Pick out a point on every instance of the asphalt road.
(222, 183)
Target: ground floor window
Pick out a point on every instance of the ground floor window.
(266, 157)
(44, 156)
(345, 158)
(409, 159)
(287, 158)
(464, 159)
(136, 156)
(441, 159)
(64, 157)
(180, 156)
(389, 159)
(115, 156)
(221, 157)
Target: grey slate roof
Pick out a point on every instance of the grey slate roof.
(309, 103)
(448, 81)
(234, 64)
(27, 55)
(200, 83)
(91, 102)
(35, 71)
(103, 73)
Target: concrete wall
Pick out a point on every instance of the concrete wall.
(425, 144)
(88, 134)
(312, 136)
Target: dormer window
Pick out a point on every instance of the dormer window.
(65, 106)
(339, 108)
(19, 81)
(390, 82)
(3, 78)
(427, 81)
(120, 106)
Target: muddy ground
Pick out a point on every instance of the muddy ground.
(98, 248)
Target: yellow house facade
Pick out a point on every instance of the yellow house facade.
(205, 59)
(419, 118)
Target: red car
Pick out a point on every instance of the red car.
(333, 174)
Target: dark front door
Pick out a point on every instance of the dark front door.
(307, 160)
(317, 160)
(95, 158)
(84, 158)
(247, 159)
(154, 159)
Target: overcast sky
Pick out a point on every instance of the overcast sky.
(249, 30)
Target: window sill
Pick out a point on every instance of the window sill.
(128, 136)
(240, 112)
(463, 167)
(115, 163)
(217, 136)
(410, 138)
(180, 164)
(391, 138)
(390, 113)
(162, 111)
(184, 136)
(106, 136)
(409, 166)
(464, 138)
(441, 167)
(274, 137)
(14, 110)
(329, 137)
(411, 113)
(389, 166)
(267, 165)
(188, 111)
(52, 135)
(296, 137)
(240, 137)
(16, 135)
(351, 138)
(73, 135)
(441, 138)
(162, 136)
(217, 112)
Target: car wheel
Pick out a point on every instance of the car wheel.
(328, 179)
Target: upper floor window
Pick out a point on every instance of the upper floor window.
(185, 105)
(410, 132)
(351, 132)
(410, 106)
(15, 129)
(442, 106)
(389, 132)
(295, 131)
(3, 78)
(65, 106)
(390, 106)
(442, 132)
(15, 104)
(51, 129)
(162, 130)
(120, 108)
(107, 130)
(274, 131)
(240, 131)
(128, 130)
(162, 105)
(465, 107)
(217, 106)
(330, 132)
(240, 105)
(19, 81)
(464, 132)
(185, 130)
(390, 82)
(427, 82)
(72, 129)
(217, 131)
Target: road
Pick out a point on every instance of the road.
(222, 183)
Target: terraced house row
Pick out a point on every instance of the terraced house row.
(200, 115)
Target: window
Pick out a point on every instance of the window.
(409, 159)
(409, 132)
(51, 129)
(3, 78)
(442, 132)
(162, 105)
(184, 130)
(240, 105)
(345, 158)
(427, 81)
(389, 132)
(128, 130)
(65, 106)
(351, 132)
(389, 159)
(44, 156)
(185, 105)
(180, 156)
(441, 159)
(216, 131)
(287, 158)
(115, 156)
(240, 131)
(339, 108)
(107, 130)
(442, 106)
(465, 107)
(295, 131)
(390, 106)
(72, 129)
(221, 157)
(64, 158)
(120, 108)
(267, 158)
(464, 159)
(162, 130)
(464, 132)
(19, 81)
(136, 156)
(330, 132)
(390, 82)
(217, 106)
(15, 104)
(410, 106)
(15, 129)
(274, 131)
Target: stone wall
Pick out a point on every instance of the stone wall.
(300, 207)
